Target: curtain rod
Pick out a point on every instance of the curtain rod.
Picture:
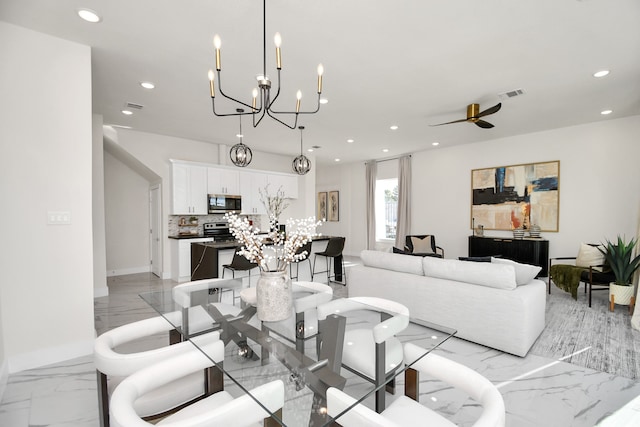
(389, 158)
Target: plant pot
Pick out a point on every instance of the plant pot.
(274, 297)
(619, 294)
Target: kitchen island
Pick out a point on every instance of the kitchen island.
(207, 258)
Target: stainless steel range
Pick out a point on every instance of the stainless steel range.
(219, 231)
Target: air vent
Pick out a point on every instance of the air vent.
(315, 147)
(134, 106)
(511, 94)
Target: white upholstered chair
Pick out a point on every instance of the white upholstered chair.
(405, 411)
(303, 323)
(112, 367)
(373, 353)
(218, 409)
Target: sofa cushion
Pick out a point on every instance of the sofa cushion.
(589, 256)
(525, 273)
(499, 276)
(393, 262)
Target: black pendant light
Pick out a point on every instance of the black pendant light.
(301, 164)
(240, 154)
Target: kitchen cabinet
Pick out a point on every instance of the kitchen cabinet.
(250, 185)
(189, 189)
(527, 251)
(288, 183)
(223, 181)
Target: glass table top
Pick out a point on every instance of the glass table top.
(306, 354)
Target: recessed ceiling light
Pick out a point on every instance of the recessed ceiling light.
(89, 15)
(601, 73)
(324, 101)
(337, 160)
(147, 85)
(310, 150)
(435, 144)
(385, 150)
(350, 141)
(239, 135)
(605, 112)
(393, 127)
(127, 112)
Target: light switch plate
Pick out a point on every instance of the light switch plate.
(59, 217)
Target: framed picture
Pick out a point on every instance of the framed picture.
(322, 205)
(518, 196)
(334, 206)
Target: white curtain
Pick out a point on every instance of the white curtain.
(404, 200)
(635, 320)
(371, 173)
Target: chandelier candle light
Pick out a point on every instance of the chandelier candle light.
(264, 85)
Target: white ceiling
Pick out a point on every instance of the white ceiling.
(405, 62)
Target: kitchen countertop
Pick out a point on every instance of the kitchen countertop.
(188, 236)
(231, 245)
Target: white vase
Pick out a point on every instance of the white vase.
(621, 294)
(274, 298)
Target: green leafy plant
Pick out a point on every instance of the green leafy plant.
(619, 258)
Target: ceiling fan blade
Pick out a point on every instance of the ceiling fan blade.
(483, 124)
(490, 110)
(448, 123)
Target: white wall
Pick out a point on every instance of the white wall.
(99, 245)
(127, 225)
(46, 137)
(599, 186)
(154, 152)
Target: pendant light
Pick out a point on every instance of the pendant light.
(301, 164)
(240, 154)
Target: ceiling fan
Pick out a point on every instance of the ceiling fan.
(474, 114)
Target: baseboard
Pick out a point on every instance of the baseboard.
(49, 356)
(133, 270)
(4, 377)
(101, 292)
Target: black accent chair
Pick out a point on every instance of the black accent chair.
(593, 279)
(429, 240)
(307, 248)
(333, 250)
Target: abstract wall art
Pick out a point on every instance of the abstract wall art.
(334, 206)
(322, 206)
(517, 196)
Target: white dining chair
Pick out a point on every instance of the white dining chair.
(405, 411)
(303, 324)
(218, 409)
(372, 352)
(112, 366)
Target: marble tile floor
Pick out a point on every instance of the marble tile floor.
(539, 389)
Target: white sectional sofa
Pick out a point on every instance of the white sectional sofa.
(497, 304)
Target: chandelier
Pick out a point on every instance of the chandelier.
(263, 89)
(301, 164)
(240, 154)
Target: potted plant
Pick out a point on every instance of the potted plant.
(193, 220)
(620, 259)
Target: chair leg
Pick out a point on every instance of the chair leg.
(328, 271)
(310, 272)
(103, 399)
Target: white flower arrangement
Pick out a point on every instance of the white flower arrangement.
(264, 249)
(273, 204)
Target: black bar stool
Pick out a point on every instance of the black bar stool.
(333, 250)
(306, 247)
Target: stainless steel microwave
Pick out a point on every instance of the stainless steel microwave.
(222, 203)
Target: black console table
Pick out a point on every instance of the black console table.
(527, 250)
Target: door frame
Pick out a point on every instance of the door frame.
(155, 211)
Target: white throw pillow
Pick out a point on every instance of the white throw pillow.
(524, 272)
(422, 245)
(478, 273)
(589, 256)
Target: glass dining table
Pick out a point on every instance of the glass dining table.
(309, 362)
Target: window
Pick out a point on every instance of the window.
(386, 208)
